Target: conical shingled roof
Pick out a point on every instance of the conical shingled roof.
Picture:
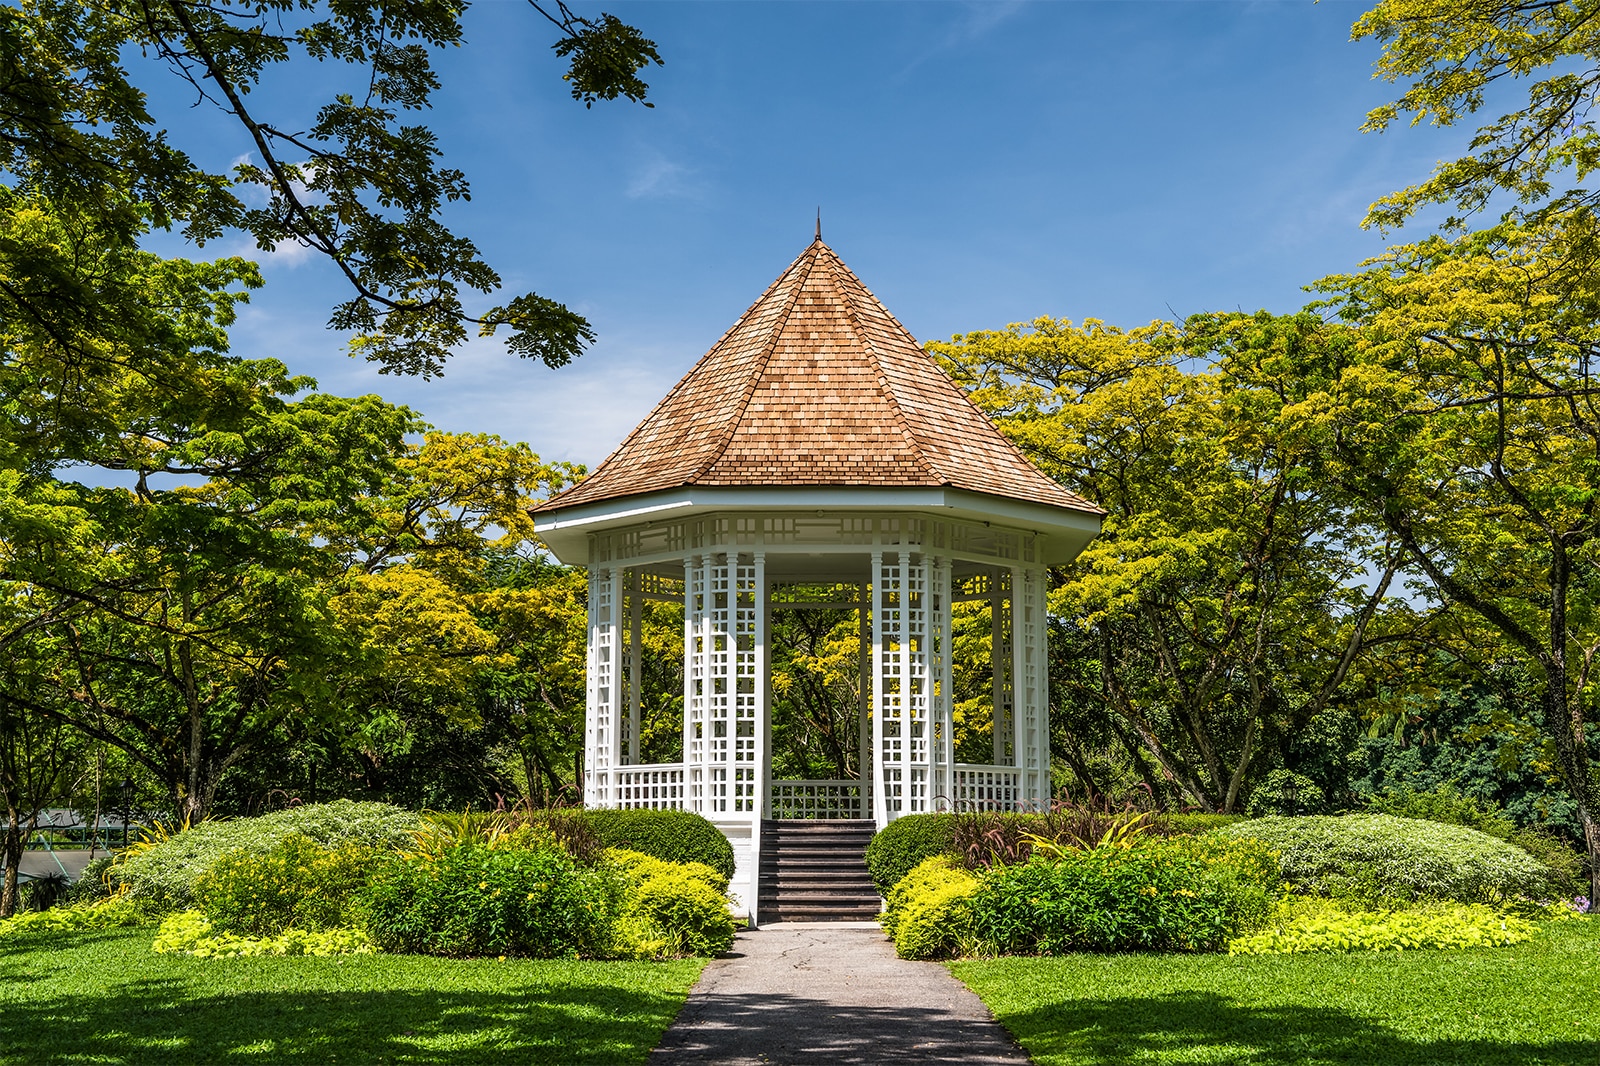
(816, 384)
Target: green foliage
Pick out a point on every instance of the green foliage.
(1301, 924)
(94, 883)
(1172, 894)
(1451, 807)
(676, 836)
(1288, 793)
(926, 913)
(494, 901)
(191, 933)
(166, 873)
(110, 913)
(1378, 857)
(295, 884)
(903, 845)
(672, 909)
(1193, 824)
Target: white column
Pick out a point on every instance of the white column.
(1002, 664)
(1030, 682)
(635, 586)
(695, 644)
(941, 753)
(880, 790)
(602, 689)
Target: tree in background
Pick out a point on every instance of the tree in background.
(1223, 600)
(357, 183)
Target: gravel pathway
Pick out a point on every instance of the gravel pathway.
(835, 992)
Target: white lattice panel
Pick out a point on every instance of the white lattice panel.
(656, 786)
(818, 799)
(601, 731)
(1003, 667)
(1031, 679)
(986, 788)
(910, 599)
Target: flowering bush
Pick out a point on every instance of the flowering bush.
(1378, 858)
(1301, 924)
(296, 883)
(190, 933)
(470, 900)
(1153, 894)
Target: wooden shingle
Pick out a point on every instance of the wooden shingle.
(816, 384)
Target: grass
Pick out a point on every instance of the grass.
(104, 997)
(1534, 1003)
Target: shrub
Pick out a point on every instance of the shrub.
(1284, 792)
(926, 913)
(1450, 806)
(95, 883)
(296, 883)
(1378, 857)
(113, 913)
(676, 836)
(190, 933)
(903, 844)
(1300, 925)
(671, 909)
(1156, 894)
(1178, 825)
(493, 901)
(166, 873)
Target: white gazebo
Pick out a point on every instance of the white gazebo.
(816, 446)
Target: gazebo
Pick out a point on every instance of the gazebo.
(816, 456)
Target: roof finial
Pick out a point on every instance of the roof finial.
(819, 222)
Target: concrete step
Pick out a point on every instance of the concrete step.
(816, 871)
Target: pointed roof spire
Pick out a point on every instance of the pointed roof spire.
(819, 222)
(817, 384)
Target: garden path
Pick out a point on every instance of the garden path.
(835, 992)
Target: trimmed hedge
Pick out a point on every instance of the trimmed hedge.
(676, 836)
(1380, 858)
(905, 843)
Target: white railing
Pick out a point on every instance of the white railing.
(650, 786)
(818, 799)
(976, 787)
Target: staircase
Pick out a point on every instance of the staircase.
(813, 871)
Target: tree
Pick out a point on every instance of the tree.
(1222, 597)
(1455, 410)
(360, 185)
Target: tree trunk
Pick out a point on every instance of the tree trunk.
(12, 850)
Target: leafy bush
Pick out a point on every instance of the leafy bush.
(295, 884)
(493, 901)
(1177, 825)
(43, 893)
(1378, 857)
(903, 844)
(676, 836)
(671, 909)
(166, 873)
(1450, 806)
(926, 913)
(95, 883)
(1156, 894)
(190, 933)
(1299, 924)
(1284, 792)
(113, 913)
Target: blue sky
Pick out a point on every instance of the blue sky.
(976, 164)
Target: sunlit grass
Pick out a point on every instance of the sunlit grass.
(104, 997)
(1535, 1003)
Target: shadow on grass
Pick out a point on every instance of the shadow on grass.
(169, 1019)
(1211, 1028)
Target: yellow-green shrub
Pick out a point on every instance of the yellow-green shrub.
(295, 883)
(926, 908)
(110, 913)
(1301, 924)
(190, 933)
(671, 908)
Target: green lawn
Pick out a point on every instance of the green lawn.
(104, 997)
(1537, 1002)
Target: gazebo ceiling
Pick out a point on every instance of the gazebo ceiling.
(816, 387)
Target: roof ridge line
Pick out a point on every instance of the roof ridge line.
(714, 454)
(959, 391)
(917, 449)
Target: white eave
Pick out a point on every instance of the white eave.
(1064, 531)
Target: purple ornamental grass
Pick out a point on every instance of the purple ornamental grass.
(1581, 904)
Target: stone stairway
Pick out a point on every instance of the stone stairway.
(813, 871)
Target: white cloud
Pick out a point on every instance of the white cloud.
(659, 178)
